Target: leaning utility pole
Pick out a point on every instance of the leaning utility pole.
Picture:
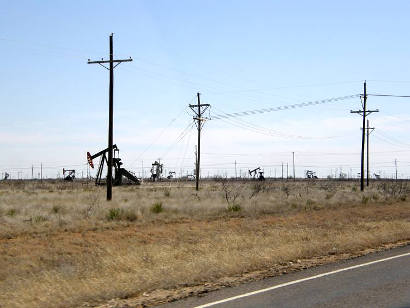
(199, 110)
(111, 61)
(364, 113)
(368, 131)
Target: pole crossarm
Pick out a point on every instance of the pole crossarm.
(108, 61)
(361, 111)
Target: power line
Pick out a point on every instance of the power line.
(280, 108)
(388, 95)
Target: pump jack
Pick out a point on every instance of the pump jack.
(253, 173)
(119, 171)
(156, 170)
(70, 174)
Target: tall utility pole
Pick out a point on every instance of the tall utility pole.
(368, 131)
(111, 61)
(287, 171)
(199, 110)
(395, 164)
(41, 172)
(282, 170)
(236, 174)
(364, 114)
(293, 154)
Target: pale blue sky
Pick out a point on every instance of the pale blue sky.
(240, 55)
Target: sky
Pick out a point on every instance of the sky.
(240, 55)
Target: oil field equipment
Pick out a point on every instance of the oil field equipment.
(257, 171)
(156, 170)
(70, 175)
(310, 174)
(119, 171)
(171, 175)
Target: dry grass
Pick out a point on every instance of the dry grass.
(84, 249)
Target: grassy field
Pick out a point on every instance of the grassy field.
(63, 245)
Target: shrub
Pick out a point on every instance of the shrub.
(129, 215)
(39, 218)
(256, 188)
(365, 199)
(55, 209)
(286, 190)
(309, 204)
(157, 207)
(234, 208)
(114, 214)
(11, 212)
(167, 192)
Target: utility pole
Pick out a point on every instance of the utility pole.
(294, 177)
(41, 172)
(199, 110)
(368, 131)
(287, 171)
(364, 114)
(236, 175)
(32, 172)
(111, 61)
(395, 164)
(196, 163)
(282, 170)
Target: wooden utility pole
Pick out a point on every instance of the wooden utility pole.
(368, 131)
(294, 177)
(287, 171)
(199, 110)
(395, 164)
(364, 114)
(282, 170)
(236, 174)
(111, 62)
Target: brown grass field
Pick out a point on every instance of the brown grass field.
(63, 245)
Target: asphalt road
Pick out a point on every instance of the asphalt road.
(379, 284)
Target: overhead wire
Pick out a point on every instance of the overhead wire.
(267, 131)
(280, 108)
(155, 140)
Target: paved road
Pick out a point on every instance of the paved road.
(378, 284)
